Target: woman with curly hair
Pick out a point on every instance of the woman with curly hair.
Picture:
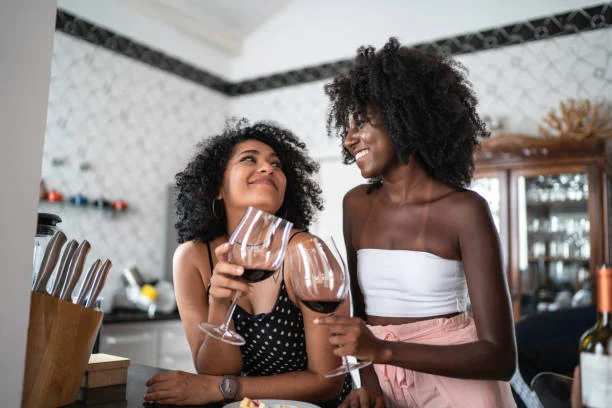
(417, 240)
(286, 354)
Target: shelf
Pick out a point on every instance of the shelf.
(556, 259)
(566, 205)
(562, 233)
(108, 210)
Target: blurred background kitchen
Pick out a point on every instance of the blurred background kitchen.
(134, 84)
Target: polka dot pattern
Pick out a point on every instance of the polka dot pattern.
(275, 341)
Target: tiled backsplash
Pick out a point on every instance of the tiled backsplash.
(137, 125)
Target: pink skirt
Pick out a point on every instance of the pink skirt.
(408, 388)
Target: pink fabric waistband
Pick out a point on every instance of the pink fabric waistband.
(408, 388)
(431, 331)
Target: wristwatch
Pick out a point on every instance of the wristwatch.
(229, 388)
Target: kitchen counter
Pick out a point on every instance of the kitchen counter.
(128, 395)
(133, 316)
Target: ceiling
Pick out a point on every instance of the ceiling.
(222, 23)
(243, 39)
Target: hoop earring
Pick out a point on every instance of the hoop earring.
(213, 209)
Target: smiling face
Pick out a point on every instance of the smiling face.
(253, 177)
(370, 144)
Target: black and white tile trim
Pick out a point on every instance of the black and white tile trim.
(572, 22)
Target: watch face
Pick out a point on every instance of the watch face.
(228, 387)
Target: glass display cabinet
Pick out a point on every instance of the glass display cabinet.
(548, 198)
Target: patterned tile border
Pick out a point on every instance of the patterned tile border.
(572, 22)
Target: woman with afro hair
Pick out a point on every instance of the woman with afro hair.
(286, 354)
(417, 240)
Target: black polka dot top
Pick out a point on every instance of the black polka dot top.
(275, 341)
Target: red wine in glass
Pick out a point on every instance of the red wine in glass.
(256, 275)
(322, 306)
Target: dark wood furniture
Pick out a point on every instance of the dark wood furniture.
(552, 228)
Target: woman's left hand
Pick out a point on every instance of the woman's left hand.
(182, 388)
(353, 338)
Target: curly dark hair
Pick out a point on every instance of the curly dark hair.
(426, 106)
(200, 182)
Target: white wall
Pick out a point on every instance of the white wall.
(121, 19)
(26, 38)
(308, 32)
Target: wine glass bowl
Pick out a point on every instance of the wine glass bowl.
(552, 389)
(320, 280)
(320, 284)
(258, 244)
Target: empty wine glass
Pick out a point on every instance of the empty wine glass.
(259, 243)
(320, 280)
(552, 389)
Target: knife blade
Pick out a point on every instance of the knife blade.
(98, 283)
(48, 262)
(75, 270)
(62, 270)
(87, 282)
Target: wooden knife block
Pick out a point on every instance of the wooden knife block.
(61, 336)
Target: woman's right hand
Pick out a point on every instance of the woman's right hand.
(225, 279)
(363, 398)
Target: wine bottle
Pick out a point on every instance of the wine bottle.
(596, 348)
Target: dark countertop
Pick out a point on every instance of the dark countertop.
(129, 395)
(132, 316)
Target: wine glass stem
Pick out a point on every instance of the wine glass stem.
(228, 317)
(345, 363)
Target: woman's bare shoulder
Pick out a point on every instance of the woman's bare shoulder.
(357, 191)
(467, 209)
(299, 236)
(468, 200)
(189, 249)
(356, 197)
(191, 255)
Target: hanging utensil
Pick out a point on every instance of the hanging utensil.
(87, 282)
(98, 283)
(48, 263)
(75, 270)
(62, 270)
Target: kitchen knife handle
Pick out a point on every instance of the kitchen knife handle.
(98, 283)
(75, 271)
(48, 262)
(62, 271)
(88, 282)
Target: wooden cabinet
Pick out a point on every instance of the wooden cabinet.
(549, 202)
(158, 344)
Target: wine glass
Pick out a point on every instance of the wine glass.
(320, 280)
(553, 389)
(259, 243)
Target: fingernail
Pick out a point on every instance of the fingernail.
(240, 270)
(317, 320)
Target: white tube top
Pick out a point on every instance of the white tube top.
(405, 283)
